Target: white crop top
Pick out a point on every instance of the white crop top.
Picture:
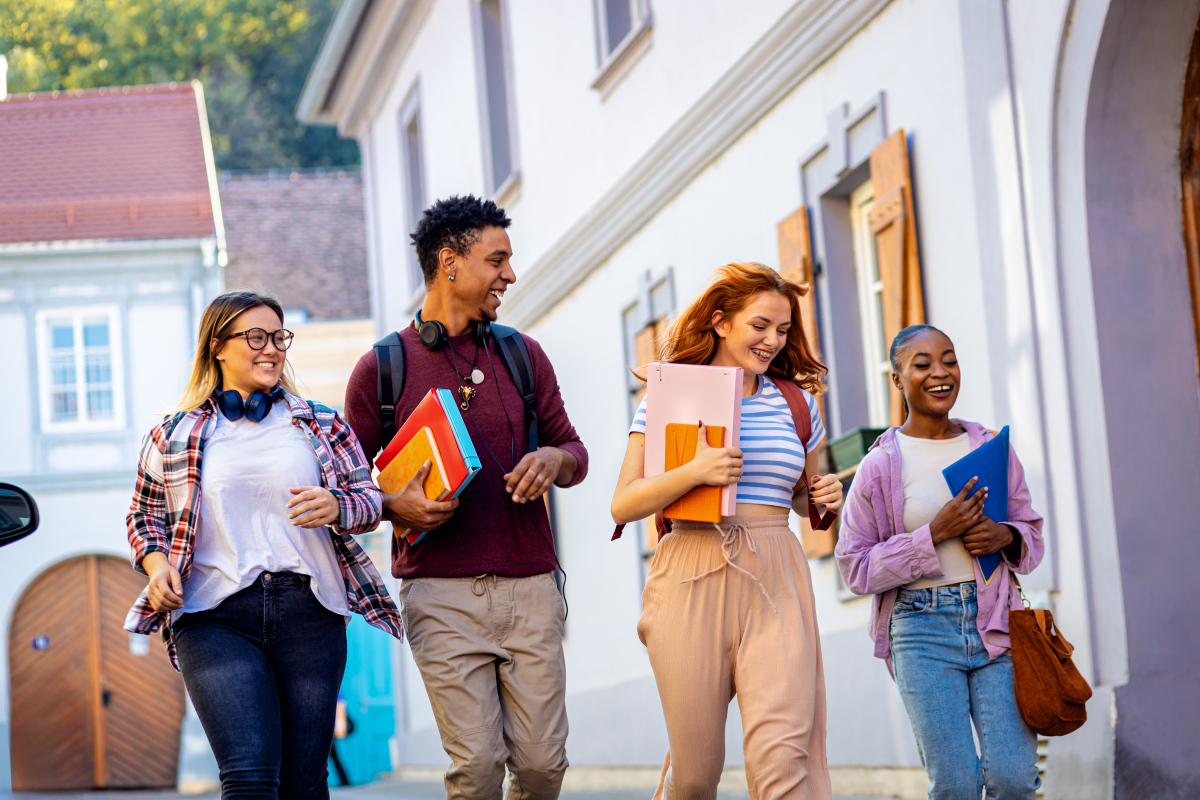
(773, 457)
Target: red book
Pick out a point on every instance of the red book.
(429, 414)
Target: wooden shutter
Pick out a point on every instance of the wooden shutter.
(895, 229)
(796, 264)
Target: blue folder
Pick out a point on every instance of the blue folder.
(465, 446)
(989, 462)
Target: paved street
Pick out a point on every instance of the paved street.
(380, 790)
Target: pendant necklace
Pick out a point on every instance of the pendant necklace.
(466, 392)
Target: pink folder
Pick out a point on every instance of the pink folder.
(688, 393)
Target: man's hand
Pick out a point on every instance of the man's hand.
(166, 588)
(986, 537)
(535, 474)
(410, 508)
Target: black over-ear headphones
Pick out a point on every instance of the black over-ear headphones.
(255, 408)
(433, 333)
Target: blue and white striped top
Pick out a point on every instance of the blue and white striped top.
(773, 457)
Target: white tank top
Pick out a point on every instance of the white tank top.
(244, 531)
(925, 492)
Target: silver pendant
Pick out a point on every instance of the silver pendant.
(476, 376)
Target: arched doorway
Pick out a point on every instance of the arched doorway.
(92, 706)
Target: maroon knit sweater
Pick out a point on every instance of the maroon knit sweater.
(488, 533)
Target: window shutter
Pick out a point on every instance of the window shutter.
(795, 264)
(895, 229)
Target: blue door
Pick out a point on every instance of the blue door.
(367, 691)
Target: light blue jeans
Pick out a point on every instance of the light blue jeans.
(947, 681)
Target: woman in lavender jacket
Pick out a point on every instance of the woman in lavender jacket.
(942, 630)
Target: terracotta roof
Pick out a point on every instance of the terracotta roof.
(121, 163)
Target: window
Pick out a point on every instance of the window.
(870, 307)
(622, 36)
(496, 86)
(413, 163)
(79, 354)
(645, 322)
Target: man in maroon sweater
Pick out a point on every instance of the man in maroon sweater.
(479, 601)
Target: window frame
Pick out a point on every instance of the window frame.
(410, 111)
(869, 283)
(505, 188)
(77, 315)
(652, 310)
(613, 62)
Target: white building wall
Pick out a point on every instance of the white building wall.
(991, 96)
(83, 482)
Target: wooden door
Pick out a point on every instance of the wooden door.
(112, 715)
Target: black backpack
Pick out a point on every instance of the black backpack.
(510, 345)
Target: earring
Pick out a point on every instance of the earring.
(451, 277)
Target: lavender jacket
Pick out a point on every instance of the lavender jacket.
(877, 557)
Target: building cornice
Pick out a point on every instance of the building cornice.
(355, 83)
(808, 34)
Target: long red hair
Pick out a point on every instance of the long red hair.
(691, 338)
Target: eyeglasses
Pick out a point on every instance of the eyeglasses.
(257, 338)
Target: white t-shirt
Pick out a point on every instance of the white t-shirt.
(244, 530)
(925, 492)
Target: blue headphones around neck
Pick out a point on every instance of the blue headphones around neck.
(255, 408)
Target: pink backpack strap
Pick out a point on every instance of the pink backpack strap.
(802, 417)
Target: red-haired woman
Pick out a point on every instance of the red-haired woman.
(728, 609)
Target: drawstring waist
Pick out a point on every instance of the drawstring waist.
(479, 587)
(733, 536)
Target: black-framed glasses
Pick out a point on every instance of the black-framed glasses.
(257, 338)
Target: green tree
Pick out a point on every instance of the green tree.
(252, 57)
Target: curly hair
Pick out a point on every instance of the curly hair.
(693, 340)
(454, 222)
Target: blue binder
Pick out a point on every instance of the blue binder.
(989, 462)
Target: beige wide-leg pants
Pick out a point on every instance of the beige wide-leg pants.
(490, 654)
(731, 611)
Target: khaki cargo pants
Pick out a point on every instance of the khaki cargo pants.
(490, 653)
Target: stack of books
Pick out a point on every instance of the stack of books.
(434, 432)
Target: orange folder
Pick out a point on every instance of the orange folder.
(427, 414)
(702, 504)
(401, 469)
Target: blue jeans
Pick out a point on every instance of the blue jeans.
(263, 670)
(947, 681)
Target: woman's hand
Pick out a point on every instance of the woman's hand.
(986, 537)
(166, 587)
(959, 515)
(715, 466)
(826, 492)
(317, 506)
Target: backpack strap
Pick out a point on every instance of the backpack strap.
(510, 344)
(802, 417)
(389, 381)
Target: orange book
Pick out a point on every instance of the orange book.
(404, 465)
(702, 504)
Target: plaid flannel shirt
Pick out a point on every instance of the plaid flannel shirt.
(166, 507)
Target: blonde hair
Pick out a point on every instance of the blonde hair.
(215, 324)
(692, 339)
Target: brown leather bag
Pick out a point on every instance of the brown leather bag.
(1050, 691)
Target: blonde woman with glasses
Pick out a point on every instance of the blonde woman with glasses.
(243, 518)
